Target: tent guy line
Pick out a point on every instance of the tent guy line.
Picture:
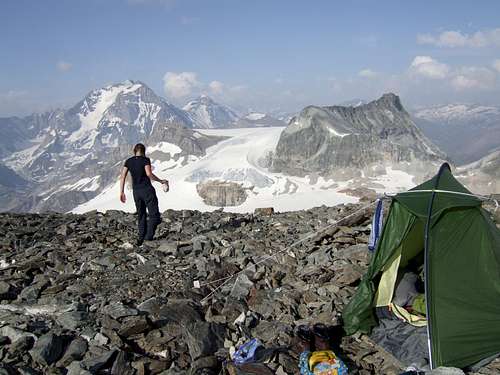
(307, 237)
(226, 279)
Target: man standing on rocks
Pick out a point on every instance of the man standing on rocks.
(144, 193)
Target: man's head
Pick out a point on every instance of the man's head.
(139, 150)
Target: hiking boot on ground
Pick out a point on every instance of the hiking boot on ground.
(303, 340)
(321, 334)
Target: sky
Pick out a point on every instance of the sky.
(265, 55)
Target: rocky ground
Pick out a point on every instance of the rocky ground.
(77, 297)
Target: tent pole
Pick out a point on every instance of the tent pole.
(426, 263)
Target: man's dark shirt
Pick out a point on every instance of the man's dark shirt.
(136, 165)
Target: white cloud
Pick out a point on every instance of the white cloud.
(216, 87)
(63, 66)
(178, 85)
(426, 66)
(476, 78)
(367, 73)
(454, 39)
(496, 65)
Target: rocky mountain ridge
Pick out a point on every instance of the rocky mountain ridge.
(205, 113)
(346, 142)
(482, 176)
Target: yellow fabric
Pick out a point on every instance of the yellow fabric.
(403, 314)
(321, 357)
(387, 283)
(407, 251)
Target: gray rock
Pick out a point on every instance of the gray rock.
(72, 320)
(21, 345)
(75, 369)
(181, 311)
(241, 287)
(5, 290)
(15, 334)
(96, 363)
(74, 352)
(118, 310)
(151, 306)
(203, 339)
(48, 349)
(221, 193)
(133, 325)
(169, 248)
(121, 365)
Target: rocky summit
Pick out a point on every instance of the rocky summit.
(77, 297)
(347, 142)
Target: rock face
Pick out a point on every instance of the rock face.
(221, 193)
(482, 176)
(465, 132)
(13, 188)
(255, 119)
(76, 297)
(341, 141)
(69, 156)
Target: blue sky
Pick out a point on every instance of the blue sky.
(260, 54)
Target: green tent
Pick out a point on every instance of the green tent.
(444, 224)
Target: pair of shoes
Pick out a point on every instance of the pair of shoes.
(303, 339)
(321, 336)
(315, 338)
(139, 241)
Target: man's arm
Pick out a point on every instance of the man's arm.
(152, 176)
(122, 184)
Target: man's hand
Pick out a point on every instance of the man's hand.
(123, 198)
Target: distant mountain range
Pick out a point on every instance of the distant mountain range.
(77, 151)
(465, 132)
(63, 159)
(205, 113)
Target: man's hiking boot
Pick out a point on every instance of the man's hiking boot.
(139, 241)
(303, 339)
(321, 334)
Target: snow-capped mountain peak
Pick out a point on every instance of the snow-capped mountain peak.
(118, 114)
(93, 108)
(206, 113)
(451, 113)
(255, 116)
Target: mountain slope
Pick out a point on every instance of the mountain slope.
(205, 113)
(59, 150)
(465, 132)
(482, 176)
(346, 142)
(259, 120)
(240, 162)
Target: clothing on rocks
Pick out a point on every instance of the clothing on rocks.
(323, 362)
(377, 223)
